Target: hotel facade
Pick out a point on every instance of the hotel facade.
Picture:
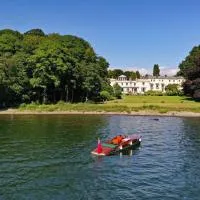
(140, 86)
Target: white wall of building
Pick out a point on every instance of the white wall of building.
(140, 86)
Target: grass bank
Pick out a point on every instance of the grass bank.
(128, 104)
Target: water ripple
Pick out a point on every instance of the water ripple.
(48, 157)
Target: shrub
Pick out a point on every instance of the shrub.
(105, 96)
(153, 93)
(196, 95)
(117, 91)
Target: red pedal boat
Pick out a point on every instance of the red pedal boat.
(116, 145)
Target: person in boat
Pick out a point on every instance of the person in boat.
(117, 140)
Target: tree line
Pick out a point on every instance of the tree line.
(115, 73)
(47, 68)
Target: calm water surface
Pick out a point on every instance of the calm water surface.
(48, 157)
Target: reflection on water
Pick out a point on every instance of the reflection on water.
(48, 157)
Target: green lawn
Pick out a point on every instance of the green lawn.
(155, 99)
(161, 104)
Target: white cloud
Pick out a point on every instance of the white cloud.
(142, 70)
(169, 71)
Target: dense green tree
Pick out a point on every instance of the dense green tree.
(133, 75)
(117, 91)
(110, 73)
(128, 74)
(30, 43)
(190, 69)
(156, 70)
(49, 68)
(48, 64)
(10, 43)
(107, 87)
(172, 89)
(36, 31)
(105, 96)
(117, 73)
(138, 74)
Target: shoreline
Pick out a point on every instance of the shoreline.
(139, 113)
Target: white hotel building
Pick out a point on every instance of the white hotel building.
(139, 86)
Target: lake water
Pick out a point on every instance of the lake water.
(48, 157)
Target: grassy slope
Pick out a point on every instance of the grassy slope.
(161, 104)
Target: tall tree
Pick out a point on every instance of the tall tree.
(117, 91)
(117, 73)
(133, 75)
(127, 74)
(156, 70)
(138, 74)
(39, 67)
(190, 69)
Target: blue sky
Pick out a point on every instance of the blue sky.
(130, 34)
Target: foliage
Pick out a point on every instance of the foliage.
(156, 70)
(107, 87)
(191, 88)
(196, 95)
(133, 75)
(190, 69)
(138, 74)
(117, 72)
(153, 93)
(49, 68)
(105, 96)
(191, 64)
(172, 89)
(128, 74)
(37, 32)
(117, 91)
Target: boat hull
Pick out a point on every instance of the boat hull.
(129, 143)
(127, 148)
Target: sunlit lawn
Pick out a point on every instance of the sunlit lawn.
(175, 102)
(128, 104)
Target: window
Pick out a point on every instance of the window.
(134, 84)
(126, 83)
(157, 85)
(143, 89)
(143, 83)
